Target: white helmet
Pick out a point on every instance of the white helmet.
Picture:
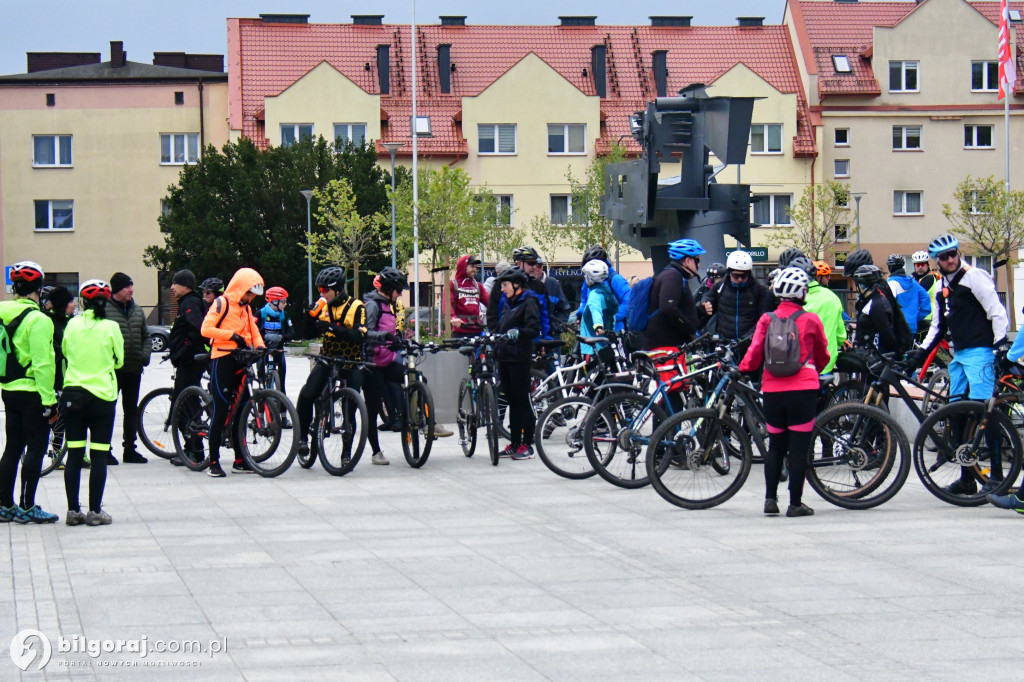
(920, 257)
(595, 271)
(739, 260)
(791, 283)
(257, 289)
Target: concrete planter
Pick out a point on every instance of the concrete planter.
(444, 372)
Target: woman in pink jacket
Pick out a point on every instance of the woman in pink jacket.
(789, 401)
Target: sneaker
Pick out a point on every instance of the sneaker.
(962, 487)
(177, 461)
(508, 451)
(111, 460)
(100, 518)
(241, 467)
(989, 486)
(441, 432)
(801, 510)
(771, 505)
(1009, 501)
(523, 452)
(379, 458)
(215, 471)
(133, 458)
(75, 518)
(7, 514)
(303, 449)
(34, 514)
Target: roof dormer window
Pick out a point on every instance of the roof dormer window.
(842, 63)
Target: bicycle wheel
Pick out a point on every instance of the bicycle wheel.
(977, 458)
(418, 426)
(489, 417)
(852, 390)
(616, 434)
(266, 445)
(559, 438)
(56, 448)
(706, 467)
(467, 419)
(938, 383)
(859, 458)
(341, 432)
(273, 381)
(190, 420)
(155, 422)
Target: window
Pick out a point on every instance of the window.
(566, 138)
(766, 138)
(981, 204)
(842, 137)
(907, 203)
(422, 126)
(179, 148)
(566, 212)
(842, 63)
(906, 138)
(771, 209)
(291, 133)
(349, 132)
(51, 150)
(55, 215)
(977, 137)
(982, 262)
(984, 76)
(497, 138)
(51, 99)
(903, 77)
(165, 207)
(179, 97)
(842, 168)
(505, 210)
(842, 233)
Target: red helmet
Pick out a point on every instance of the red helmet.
(276, 294)
(93, 289)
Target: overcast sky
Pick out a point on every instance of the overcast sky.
(198, 26)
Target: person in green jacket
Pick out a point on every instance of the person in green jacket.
(826, 305)
(28, 396)
(94, 351)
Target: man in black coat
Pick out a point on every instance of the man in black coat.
(739, 300)
(137, 348)
(186, 339)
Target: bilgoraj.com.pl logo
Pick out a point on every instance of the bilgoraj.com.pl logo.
(24, 649)
(33, 647)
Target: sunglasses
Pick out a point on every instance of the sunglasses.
(739, 274)
(946, 255)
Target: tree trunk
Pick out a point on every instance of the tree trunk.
(446, 312)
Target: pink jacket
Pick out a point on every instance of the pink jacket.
(812, 344)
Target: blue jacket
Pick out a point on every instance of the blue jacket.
(599, 311)
(270, 321)
(620, 287)
(913, 300)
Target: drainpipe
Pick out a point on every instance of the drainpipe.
(813, 160)
(202, 126)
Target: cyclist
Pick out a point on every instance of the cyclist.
(467, 298)
(673, 318)
(600, 309)
(525, 257)
(875, 314)
(789, 401)
(714, 275)
(211, 288)
(27, 394)
(520, 323)
(787, 256)
(929, 281)
(823, 302)
(500, 268)
(341, 324)
(94, 348)
(273, 322)
(387, 372)
(968, 308)
(230, 325)
(186, 340)
(739, 300)
(617, 283)
(854, 260)
(59, 305)
(913, 299)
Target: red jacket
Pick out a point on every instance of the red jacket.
(812, 344)
(468, 299)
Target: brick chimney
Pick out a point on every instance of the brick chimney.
(118, 56)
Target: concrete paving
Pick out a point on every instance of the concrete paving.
(461, 570)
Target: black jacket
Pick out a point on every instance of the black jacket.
(739, 308)
(135, 331)
(875, 323)
(558, 307)
(673, 318)
(60, 320)
(523, 313)
(186, 338)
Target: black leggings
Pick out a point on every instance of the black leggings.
(515, 385)
(315, 382)
(375, 390)
(93, 420)
(27, 432)
(790, 418)
(226, 374)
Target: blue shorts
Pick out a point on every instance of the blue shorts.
(972, 371)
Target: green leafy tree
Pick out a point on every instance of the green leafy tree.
(814, 220)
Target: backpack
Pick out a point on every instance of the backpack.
(783, 356)
(904, 337)
(638, 307)
(11, 368)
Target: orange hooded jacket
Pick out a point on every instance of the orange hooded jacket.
(228, 316)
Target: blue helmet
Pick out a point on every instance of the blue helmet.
(944, 242)
(682, 248)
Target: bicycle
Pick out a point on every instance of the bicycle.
(57, 447)
(155, 411)
(478, 404)
(339, 420)
(418, 417)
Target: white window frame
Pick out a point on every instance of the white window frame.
(986, 64)
(904, 136)
(973, 262)
(296, 132)
(836, 168)
(841, 63)
(565, 139)
(347, 129)
(905, 66)
(772, 209)
(173, 139)
(495, 129)
(55, 140)
(49, 210)
(835, 135)
(505, 200)
(765, 127)
(903, 202)
(974, 136)
(841, 229)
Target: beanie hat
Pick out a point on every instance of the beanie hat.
(60, 297)
(119, 281)
(185, 278)
(501, 267)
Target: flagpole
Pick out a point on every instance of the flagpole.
(415, 185)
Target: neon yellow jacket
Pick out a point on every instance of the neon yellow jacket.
(93, 349)
(33, 339)
(827, 306)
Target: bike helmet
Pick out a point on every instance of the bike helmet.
(787, 256)
(716, 270)
(276, 294)
(942, 243)
(212, 284)
(331, 277)
(822, 268)
(895, 262)
(739, 260)
(525, 254)
(94, 289)
(773, 274)
(681, 248)
(26, 277)
(257, 289)
(791, 284)
(595, 252)
(804, 263)
(515, 275)
(920, 257)
(868, 276)
(392, 279)
(44, 293)
(595, 271)
(855, 259)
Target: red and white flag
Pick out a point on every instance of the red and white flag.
(1007, 62)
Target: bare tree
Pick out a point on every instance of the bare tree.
(350, 238)
(814, 219)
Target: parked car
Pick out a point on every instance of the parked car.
(158, 337)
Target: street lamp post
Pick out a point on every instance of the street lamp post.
(392, 147)
(308, 193)
(857, 196)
